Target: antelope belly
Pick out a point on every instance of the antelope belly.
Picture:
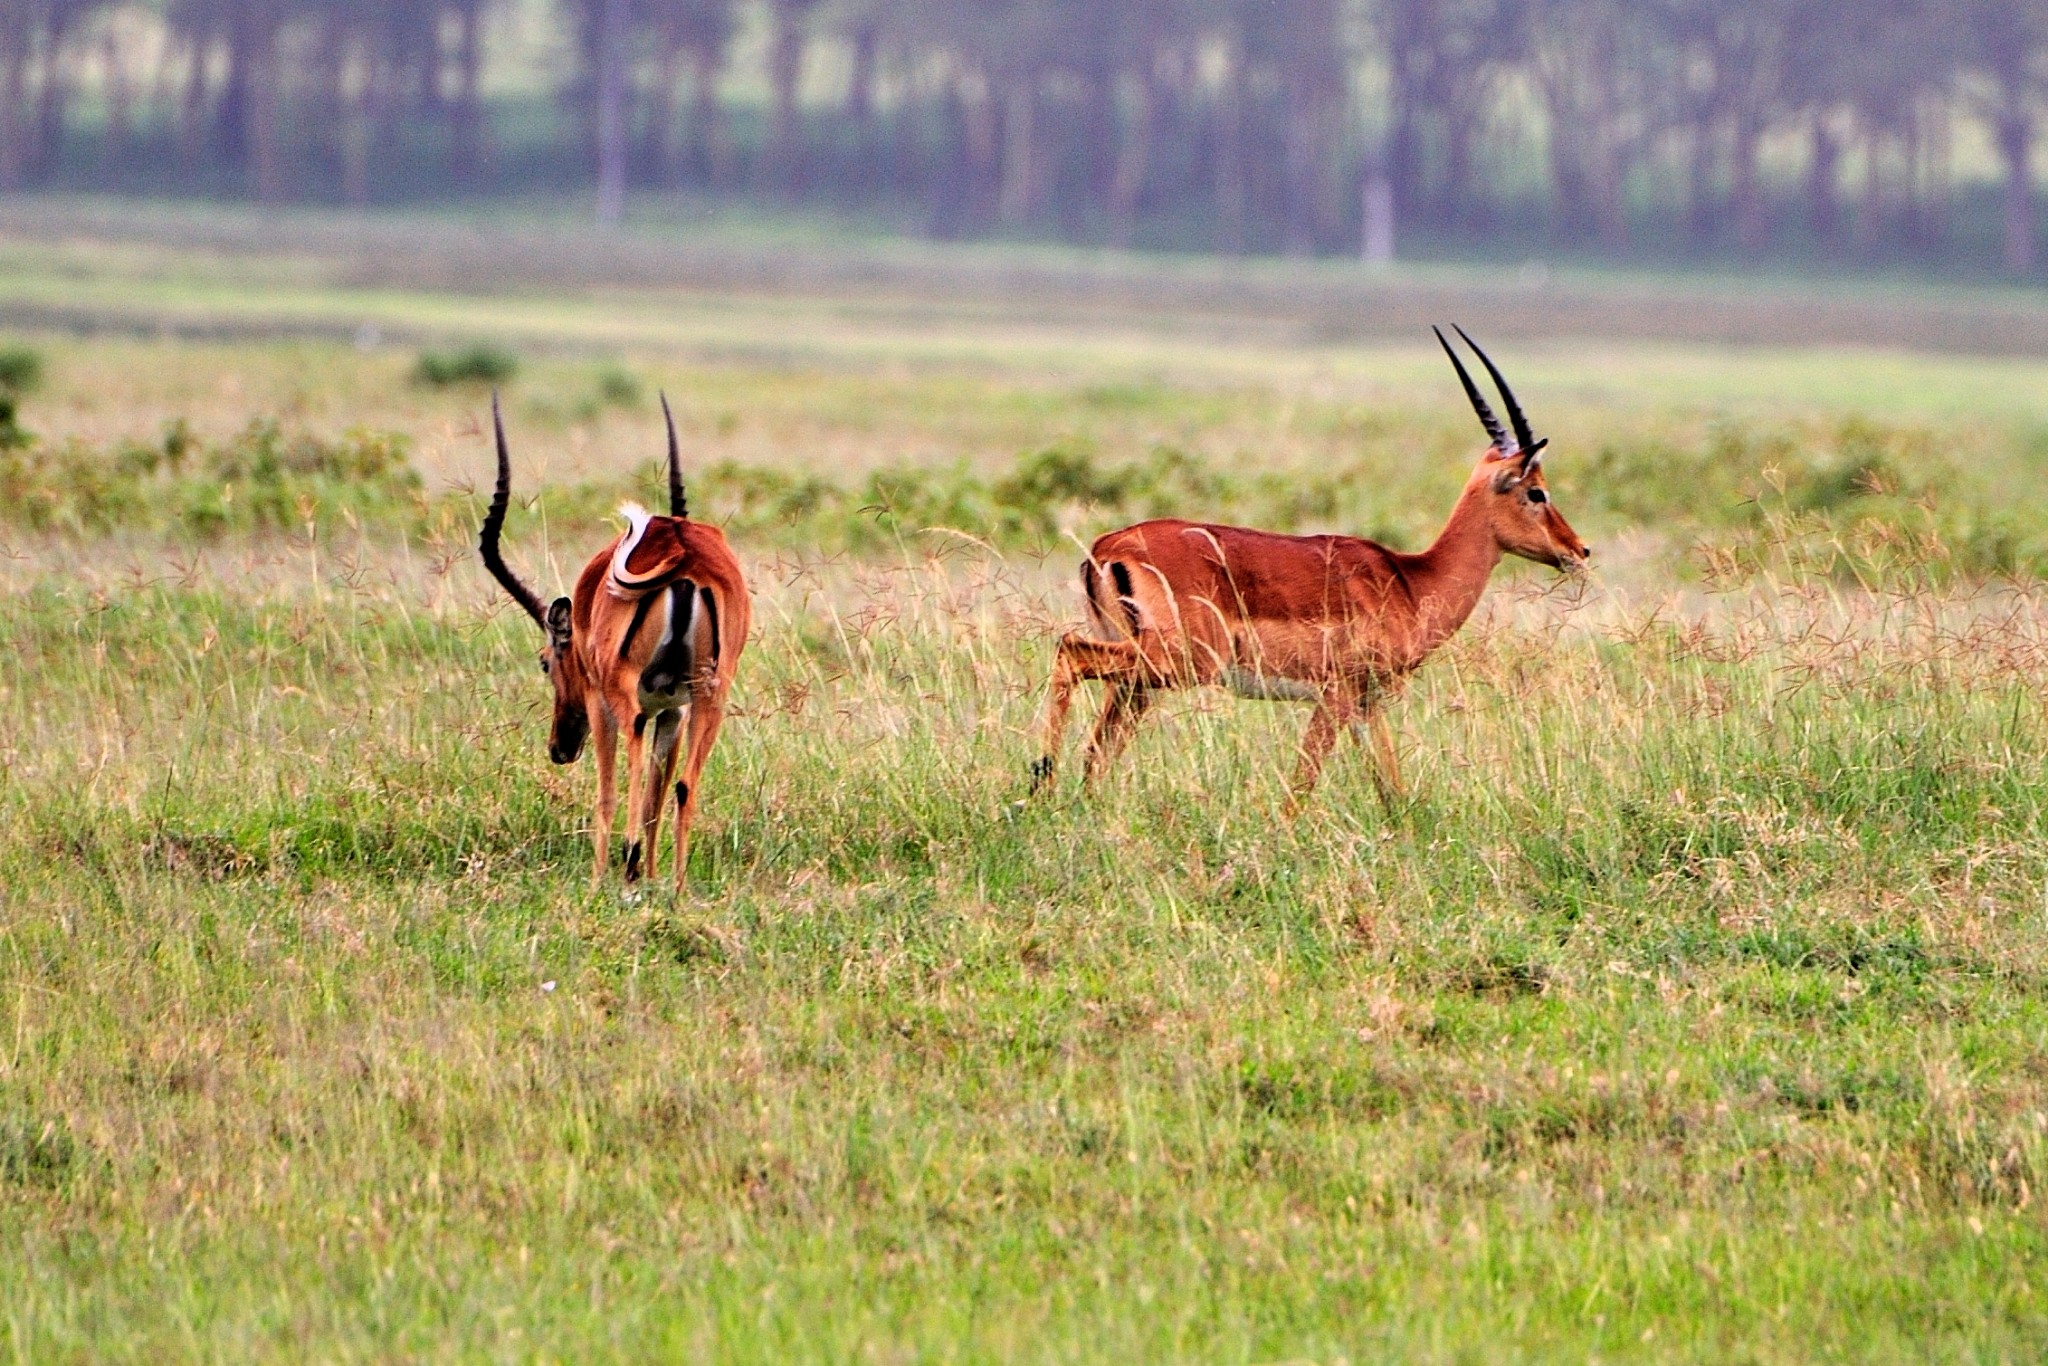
(1268, 687)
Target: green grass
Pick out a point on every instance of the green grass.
(1689, 1008)
(1692, 1008)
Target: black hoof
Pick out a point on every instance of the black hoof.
(633, 861)
(1041, 772)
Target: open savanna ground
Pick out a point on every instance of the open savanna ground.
(1693, 1004)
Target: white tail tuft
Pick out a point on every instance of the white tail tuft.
(636, 527)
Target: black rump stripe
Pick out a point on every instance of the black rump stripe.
(1121, 574)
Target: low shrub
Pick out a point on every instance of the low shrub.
(21, 369)
(262, 478)
(478, 364)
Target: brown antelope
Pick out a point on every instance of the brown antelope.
(657, 623)
(1333, 620)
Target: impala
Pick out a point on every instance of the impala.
(1334, 620)
(656, 625)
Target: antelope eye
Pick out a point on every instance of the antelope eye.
(1538, 496)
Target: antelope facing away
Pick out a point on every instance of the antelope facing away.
(1334, 620)
(656, 625)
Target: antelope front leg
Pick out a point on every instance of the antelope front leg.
(1336, 709)
(707, 713)
(1386, 774)
(636, 793)
(605, 739)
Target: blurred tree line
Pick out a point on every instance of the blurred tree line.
(1857, 129)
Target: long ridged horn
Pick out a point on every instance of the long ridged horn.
(678, 502)
(494, 525)
(1525, 443)
(1486, 417)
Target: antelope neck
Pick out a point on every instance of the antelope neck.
(1450, 577)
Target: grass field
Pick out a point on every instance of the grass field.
(1694, 1006)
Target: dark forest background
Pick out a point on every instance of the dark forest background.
(1824, 133)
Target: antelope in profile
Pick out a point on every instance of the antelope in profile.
(657, 623)
(1334, 620)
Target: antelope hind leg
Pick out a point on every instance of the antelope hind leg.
(1121, 711)
(668, 728)
(1335, 710)
(1078, 660)
(636, 793)
(707, 713)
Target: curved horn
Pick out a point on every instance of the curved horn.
(494, 524)
(1486, 417)
(678, 502)
(1523, 440)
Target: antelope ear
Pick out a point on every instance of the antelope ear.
(1532, 458)
(1507, 479)
(558, 622)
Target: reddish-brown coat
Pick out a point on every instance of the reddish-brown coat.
(602, 642)
(1334, 619)
(600, 687)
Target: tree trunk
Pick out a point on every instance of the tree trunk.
(55, 101)
(710, 153)
(1822, 171)
(358, 128)
(262, 106)
(1912, 229)
(1938, 189)
(1460, 120)
(611, 112)
(1870, 221)
(1405, 160)
(1019, 198)
(1746, 200)
(981, 144)
(1230, 154)
(1304, 170)
(657, 142)
(1610, 202)
(899, 138)
(2015, 149)
(1705, 154)
(860, 88)
(466, 119)
(1376, 221)
(785, 70)
(231, 116)
(120, 93)
(192, 113)
(13, 97)
(1133, 161)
